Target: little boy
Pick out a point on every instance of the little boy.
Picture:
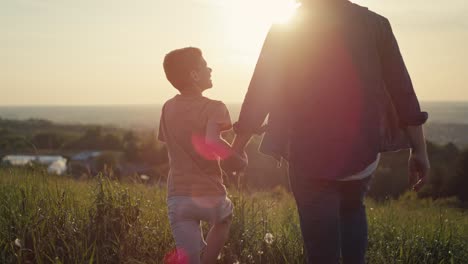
(190, 126)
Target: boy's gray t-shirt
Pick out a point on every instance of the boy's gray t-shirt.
(194, 169)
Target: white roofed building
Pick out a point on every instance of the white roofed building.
(55, 164)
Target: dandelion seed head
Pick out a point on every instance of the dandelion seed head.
(269, 238)
(18, 243)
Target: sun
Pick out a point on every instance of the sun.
(280, 11)
(246, 23)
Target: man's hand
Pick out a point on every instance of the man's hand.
(235, 163)
(418, 163)
(418, 166)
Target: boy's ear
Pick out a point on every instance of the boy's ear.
(194, 76)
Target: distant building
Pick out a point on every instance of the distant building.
(55, 164)
(84, 163)
(85, 155)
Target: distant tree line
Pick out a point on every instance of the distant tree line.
(449, 172)
(44, 137)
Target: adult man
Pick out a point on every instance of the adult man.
(337, 93)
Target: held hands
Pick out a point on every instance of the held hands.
(418, 166)
(234, 163)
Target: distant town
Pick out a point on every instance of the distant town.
(81, 150)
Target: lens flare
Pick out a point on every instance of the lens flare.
(176, 256)
(209, 150)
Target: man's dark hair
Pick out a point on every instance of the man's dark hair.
(179, 63)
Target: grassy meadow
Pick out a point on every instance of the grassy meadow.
(52, 219)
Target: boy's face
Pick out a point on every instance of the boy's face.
(202, 75)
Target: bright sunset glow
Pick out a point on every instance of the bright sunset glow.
(260, 12)
(277, 11)
(110, 52)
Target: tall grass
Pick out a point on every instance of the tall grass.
(50, 219)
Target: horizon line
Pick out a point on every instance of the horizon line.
(152, 104)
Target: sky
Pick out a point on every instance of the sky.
(93, 52)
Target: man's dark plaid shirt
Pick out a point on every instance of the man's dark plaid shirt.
(336, 91)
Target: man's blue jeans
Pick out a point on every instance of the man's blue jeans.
(332, 217)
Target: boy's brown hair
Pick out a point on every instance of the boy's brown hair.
(179, 63)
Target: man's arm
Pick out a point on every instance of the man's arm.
(262, 90)
(397, 80)
(240, 141)
(218, 122)
(400, 88)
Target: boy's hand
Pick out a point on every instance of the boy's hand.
(235, 162)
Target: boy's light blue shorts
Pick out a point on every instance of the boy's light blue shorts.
(185, 214)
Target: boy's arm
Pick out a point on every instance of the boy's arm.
(214, 139)
(220, 121)
(230, 159)
(161, 136)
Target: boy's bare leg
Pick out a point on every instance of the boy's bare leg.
(215, 240)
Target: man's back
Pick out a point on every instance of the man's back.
(335, 90)
(341, 71)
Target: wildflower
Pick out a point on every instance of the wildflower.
(372, 208)
(260, 252)
(269, 238)
(18, 243)
(144, 177)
